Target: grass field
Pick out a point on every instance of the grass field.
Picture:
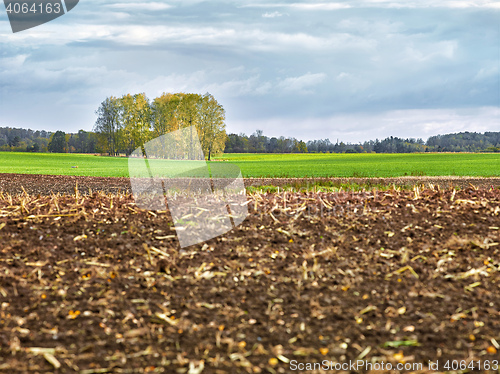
(367, 165)
(274, 165)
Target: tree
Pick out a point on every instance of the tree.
(237, 143)
(14, 141)
(302, 147)
(164, 114)
(212, 129)
(129, 122)
(33, 148)
(272, 146)
(134, 122)
(107, 124)
(142, 121)
(58, 142)
(258, 142)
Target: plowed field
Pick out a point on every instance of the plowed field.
(310, 282)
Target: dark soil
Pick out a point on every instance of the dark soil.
(92, 284)
(46, 184)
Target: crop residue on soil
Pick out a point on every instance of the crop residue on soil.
(93, 284)
(46, 184)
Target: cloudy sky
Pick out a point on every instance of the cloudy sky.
(350, 70)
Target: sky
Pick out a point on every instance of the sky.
(350, 70)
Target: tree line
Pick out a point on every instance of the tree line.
(259, 143)
(127, 123)
(169, 115)
(465, 142)
(457, 142)
(82, 142)
(21, 140)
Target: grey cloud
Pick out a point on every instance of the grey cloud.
(303, 68)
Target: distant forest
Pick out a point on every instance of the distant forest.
(459, 142)
(21, 140)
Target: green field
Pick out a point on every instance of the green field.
(275, 165)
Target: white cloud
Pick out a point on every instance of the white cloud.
(239, 37)
(428, 4)
(300, 6)
(301, 84)
(491, 70)
(13, 62)
(382, 4)
(120, 15)
(239, 87)
(342, 76)
(151, 6)
(319, 6)
(428, 51)
(467, 4)
(272, 15)
(254, 85)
